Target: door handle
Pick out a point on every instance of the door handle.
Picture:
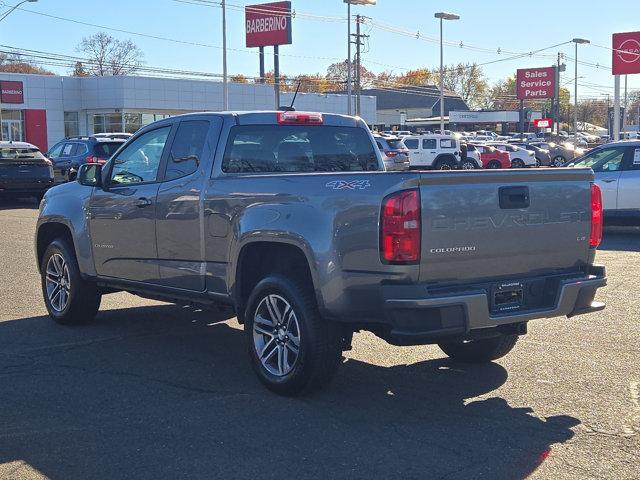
(143, 202)
(609, 180)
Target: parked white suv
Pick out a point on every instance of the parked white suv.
(520, 157)
(439, 152)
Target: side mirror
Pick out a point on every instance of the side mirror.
(90, 174)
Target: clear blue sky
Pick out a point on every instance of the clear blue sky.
(489, 24)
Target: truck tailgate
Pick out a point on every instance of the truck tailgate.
(496, 224)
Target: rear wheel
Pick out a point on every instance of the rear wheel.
(538, 163)
(494, 165)
(517, 163)
(479, 351)
(291, 347)
(558, 161)
(468, 165)
(69, 299)
(445, 164)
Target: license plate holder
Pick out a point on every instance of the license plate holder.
(507, 297)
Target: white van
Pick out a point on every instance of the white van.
(440, 152)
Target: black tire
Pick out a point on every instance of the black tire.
(558, 161)
(494, 165)
(517, 163)
(320, 341)
(479, 351)
(538, 163)
(445, 164)
(83, 297)
(468, 165)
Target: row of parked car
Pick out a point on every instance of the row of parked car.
(405, 150)
(27, 172)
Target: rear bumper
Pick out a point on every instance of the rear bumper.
(25, 186)
(415, 318)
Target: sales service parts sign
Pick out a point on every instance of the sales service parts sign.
(268, 24)
(535, 83)
(626, 53)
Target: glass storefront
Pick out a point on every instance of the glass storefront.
(71, 124)
(12, 125)
(129, 122)
(107, 123)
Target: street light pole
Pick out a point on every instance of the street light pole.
(575, 89)
(14, 7)
(2, 18)
(225, 84)
(443, 16)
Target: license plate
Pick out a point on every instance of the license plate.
(506, 297)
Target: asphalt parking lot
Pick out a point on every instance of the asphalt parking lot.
(157, 391)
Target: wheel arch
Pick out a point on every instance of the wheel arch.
(258, 258)
(48, 232)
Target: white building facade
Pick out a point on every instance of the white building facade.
(43, 109)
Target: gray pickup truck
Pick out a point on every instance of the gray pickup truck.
(290, 219)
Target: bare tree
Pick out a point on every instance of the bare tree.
(107, 55)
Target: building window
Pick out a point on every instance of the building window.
(107, 123)
(71, 124)
(132, 122)
(12, 125)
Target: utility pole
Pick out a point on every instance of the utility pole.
(358, 71)
(349, 68)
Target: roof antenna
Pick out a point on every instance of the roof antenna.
(290, 108)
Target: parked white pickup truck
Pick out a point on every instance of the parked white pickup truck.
(439, 152)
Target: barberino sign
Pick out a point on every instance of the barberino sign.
(11, 92)
(268, 24)
(626, 53)
(535, 83)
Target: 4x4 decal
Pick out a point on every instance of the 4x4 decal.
(348, 185)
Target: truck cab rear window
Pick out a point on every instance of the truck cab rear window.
(298, 148)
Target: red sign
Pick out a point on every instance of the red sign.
(11, 92)
(535, 83)
(268, 24)
(626, 53)
(543, 122)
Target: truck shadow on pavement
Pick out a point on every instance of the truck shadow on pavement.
(621, 239)
(18, 203)
(167, 392)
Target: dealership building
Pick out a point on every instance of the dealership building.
(43, 109)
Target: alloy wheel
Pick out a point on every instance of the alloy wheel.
(57, 282)
(276, 335)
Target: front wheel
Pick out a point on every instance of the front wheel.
(479, 351)
(558, 161)
(292, 349)
(69, 299)
(517, 163)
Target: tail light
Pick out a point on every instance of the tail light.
(596, 216)
(299, 118)
(400, 228)
(92, 159)
(390, 154)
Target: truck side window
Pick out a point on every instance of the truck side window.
(298, 148)
(429, 144)
(186, 149)
(139, 162)
(603, 160)
(411, 143)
